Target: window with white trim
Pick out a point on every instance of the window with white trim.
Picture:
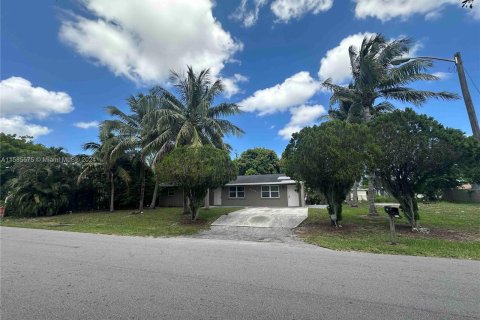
(171, 192)
(236, 192)
(270, 192)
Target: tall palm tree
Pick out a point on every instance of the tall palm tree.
(134, 131)
(191, 119)
(377, 75)
(102, 153)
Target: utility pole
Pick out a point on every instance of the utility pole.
(466, 96)
(463, 84)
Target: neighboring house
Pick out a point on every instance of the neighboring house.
(266, 190)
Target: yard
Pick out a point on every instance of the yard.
(159, 222)
(454, 231)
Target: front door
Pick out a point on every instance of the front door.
(293, 198)
(217, 197)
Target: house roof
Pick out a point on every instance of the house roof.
(277, 178)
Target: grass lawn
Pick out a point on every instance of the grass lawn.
(159, 222)
(454, 231)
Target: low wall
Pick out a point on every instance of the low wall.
(457, 195)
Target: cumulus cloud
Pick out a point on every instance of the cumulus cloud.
(302, 116)
(86, 125)
(248, 16)
(389, 9)
(19, 97)
(143, 40)
(294, 91)
(231, 84)
(19, 126)
(286, 10)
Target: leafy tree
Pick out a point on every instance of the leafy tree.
(105, 160)
(416, 149)
(196, 169)
(380, 73)
(258, 161)
(11, 147)
(329, 158)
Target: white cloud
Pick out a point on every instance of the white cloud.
(86, 125)
(389, 9)
(17, 125)
(247, 16)
(302, 116)
(442, 75)
(336, 63)
(286, 10)
(292, 92)
(19, 97)
(231, 84)
(143, 40)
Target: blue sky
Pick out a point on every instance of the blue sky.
(63, 62)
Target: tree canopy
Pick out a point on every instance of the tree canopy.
(328, 158)
(414, 150)
(258, 161)
(196, 169)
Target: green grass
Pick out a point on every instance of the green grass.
(160, 222)
(454, 231)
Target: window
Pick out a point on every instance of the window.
(236, 192)
(270, 192)
(171, 192)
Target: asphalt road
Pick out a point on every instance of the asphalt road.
(61, 275)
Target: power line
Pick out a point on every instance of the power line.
(471, 79)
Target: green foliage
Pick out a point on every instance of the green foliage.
(328, 158)
(13, 146)
(416, 150)
(195, 170)
(258, 161)
(106, 162)
(40, 188)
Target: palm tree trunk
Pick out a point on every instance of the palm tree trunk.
(153, 204)
(372, 210)
(142, 184)
(112, 192)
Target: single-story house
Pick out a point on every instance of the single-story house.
(266, 190)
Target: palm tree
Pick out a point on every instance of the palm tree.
(376, 75)
(134, 132)
(191, 119)
(106, 161)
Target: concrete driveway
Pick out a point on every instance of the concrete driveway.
(264, 217)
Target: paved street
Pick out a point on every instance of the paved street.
(61, 275)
